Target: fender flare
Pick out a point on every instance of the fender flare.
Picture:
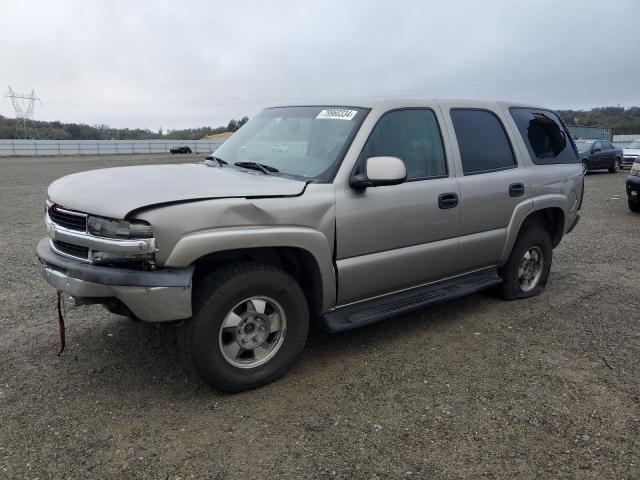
(198, 244)
(524, 210)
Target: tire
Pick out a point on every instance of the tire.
(585, 167)
(219, 300)
(616, 166)
(634, 206)
(533, 239)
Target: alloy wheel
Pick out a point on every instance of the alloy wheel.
(252, 332)
(530, 269)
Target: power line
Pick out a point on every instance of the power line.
(23, 105)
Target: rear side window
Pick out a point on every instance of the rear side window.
(413, 136)
(484, 145)
(544, 135)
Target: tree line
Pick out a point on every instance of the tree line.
(41, 130)
(622, 120)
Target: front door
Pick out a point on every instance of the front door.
(398, 236)
(598, 156)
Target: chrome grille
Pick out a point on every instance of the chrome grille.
(68, 219)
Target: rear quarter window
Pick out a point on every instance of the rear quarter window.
(544, 135)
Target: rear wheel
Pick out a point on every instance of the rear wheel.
(250, 322)
(526, 272)
(585, 167)
(616, 166)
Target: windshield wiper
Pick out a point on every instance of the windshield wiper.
(217, 159)
(266, 169)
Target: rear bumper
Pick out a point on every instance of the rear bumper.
(153, 296)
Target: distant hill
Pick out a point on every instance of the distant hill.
(74, 131)
(622, 120)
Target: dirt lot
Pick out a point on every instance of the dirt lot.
(477, 388)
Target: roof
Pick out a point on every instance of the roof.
(387, 103)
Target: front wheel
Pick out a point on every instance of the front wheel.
(634, 206)
(250, 322)
(616, 166)
(526, 272)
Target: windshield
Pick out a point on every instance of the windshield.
(584, 145)
(634, 144)
(303, 142)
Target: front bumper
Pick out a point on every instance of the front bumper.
(153, 296)
(628, 160)
(633, 188)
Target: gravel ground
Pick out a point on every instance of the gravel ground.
(477, 388)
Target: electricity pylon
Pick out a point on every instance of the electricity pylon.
(23, 106)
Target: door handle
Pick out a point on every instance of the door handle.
(516, 189)
(448, 200)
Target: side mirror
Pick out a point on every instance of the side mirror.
(380, 171)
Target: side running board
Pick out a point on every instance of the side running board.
(371, 311)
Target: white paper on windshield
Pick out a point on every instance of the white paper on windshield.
(337, 114)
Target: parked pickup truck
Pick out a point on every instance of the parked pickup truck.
(342, 214)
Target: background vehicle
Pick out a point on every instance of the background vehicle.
(599, 154)
(360, 213)
(631, 153)
(633, 187)
(183, 149)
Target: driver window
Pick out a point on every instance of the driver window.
(411, 135)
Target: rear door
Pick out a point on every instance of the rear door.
(612, 153)
(491, 184)
(607, 154)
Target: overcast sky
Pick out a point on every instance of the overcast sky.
(180, 64)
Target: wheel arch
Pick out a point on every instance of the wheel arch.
(547, 214)
(302, 252)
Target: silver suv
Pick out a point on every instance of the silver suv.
(342, 214)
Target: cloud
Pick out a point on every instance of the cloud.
(184, 64)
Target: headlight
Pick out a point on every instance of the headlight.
(635, 169)
(105, 227)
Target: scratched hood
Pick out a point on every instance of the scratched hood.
(114, 192)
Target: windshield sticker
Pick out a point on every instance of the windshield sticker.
(337, 114)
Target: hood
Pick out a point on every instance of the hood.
(631, 151)
(115, 192)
